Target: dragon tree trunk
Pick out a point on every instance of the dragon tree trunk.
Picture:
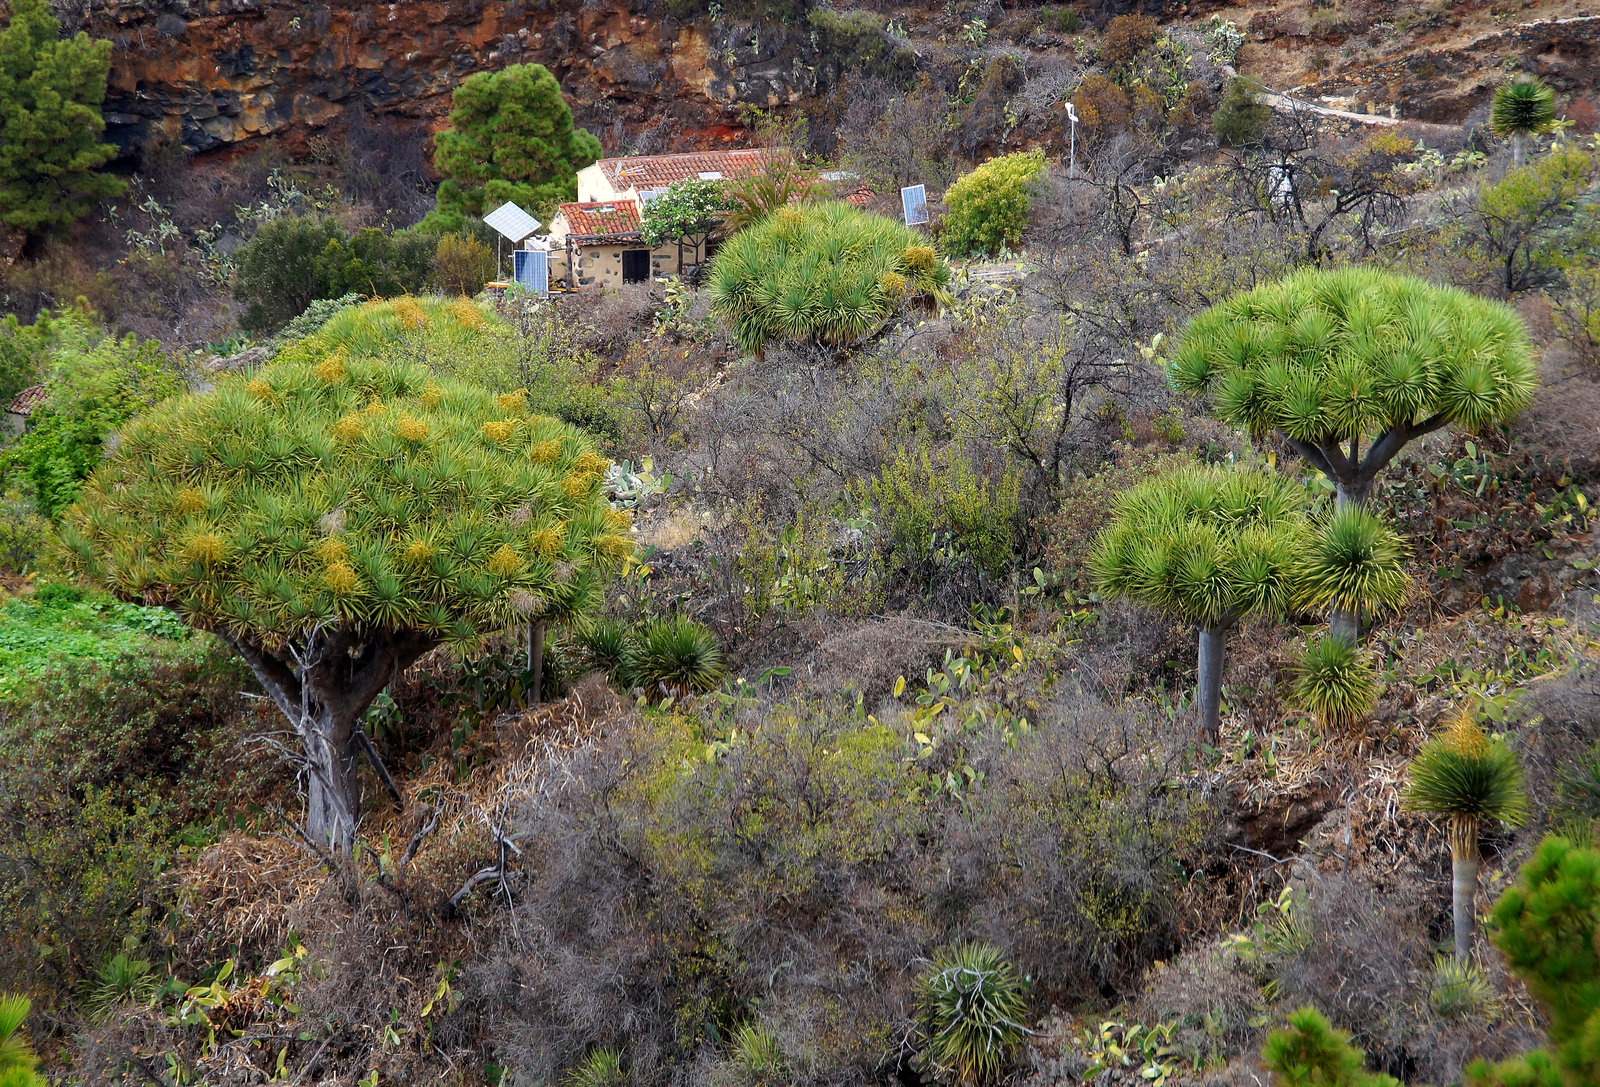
(1463, 879)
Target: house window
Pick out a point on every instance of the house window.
(635, 265)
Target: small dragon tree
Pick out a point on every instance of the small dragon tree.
(1466, 778)
(332, 521)
(1351, 364)
(1209, 545)
(1522, 108)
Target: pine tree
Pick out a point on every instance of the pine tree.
(1350, 365)
(1311, 1053)
(333, 520)
(50, 124)
(1549, 931)
(510, 137)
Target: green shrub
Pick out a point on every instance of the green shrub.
(824, 272)
(676, 657)
(1311, 1053)
(935, 509)
(1335, 681)
(24, 354)
(23, 533)
(609, 646)
(97, 383)
(462, 265)
(987, 209)
(1459, 989)
(974, 1008)
(281, 271)
(1063, 20)
(121, 979)
(50, 631)
(1125, 38)
(760, 1058)
(314, 316)
(1242, 117)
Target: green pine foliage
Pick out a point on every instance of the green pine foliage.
(1311, 1053)
(1241, 118)
(510, 137)
(987, 210)
(51, 89)
(1335, 681)
(823, 272)
(1548, 928)
(1351, 364)
(973, 1007)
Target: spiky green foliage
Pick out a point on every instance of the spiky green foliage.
(334, 519)
(1328, 358)
(1205, 544)
(17, 1059)
(1523, 107)
(1311, 1053)
(987, 209)
(824, 272)
(1335, 681)
(600, 1068)
(1459, 989)
(1463, 773)
(121, 979)
(1548, 928)
(677, 656)
(609, 646)
(758, 1055)
(1355, 562)
(973, 1007)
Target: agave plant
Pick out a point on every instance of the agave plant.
(677, 656)
(1348, 365)
(599, 1068)
(1335, 681)
(1522, 108)
(608, 646)
(1210, 546)
(823, 272)
(1467, 779)
(1459, 989)
(17, 1059)
(121, 979)
(758, 1056)
(972, 1005)
(1355, 565)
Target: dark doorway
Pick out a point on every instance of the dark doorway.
(635, 265)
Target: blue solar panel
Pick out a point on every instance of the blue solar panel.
(532, 269)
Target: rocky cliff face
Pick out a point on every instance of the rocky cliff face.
(210, 73)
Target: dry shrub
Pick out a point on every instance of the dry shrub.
(866, 658)
(1126, 37)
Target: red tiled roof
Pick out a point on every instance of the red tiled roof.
(28, 399)
(601, 218)
(659, 171)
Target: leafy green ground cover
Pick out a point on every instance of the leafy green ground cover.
(59, 626)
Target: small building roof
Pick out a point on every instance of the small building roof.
(601, 219)
(28, 399)
(659, 171)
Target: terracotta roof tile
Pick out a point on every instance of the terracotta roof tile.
(601, 218)
(659, 171)
(28, 399)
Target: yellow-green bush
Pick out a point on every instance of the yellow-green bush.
(987, 209)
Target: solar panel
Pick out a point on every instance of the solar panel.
(531, 268)
(512, 222)
(914, 202)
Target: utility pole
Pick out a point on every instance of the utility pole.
(1072, 116)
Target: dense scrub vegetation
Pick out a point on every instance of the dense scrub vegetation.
(816, 676)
